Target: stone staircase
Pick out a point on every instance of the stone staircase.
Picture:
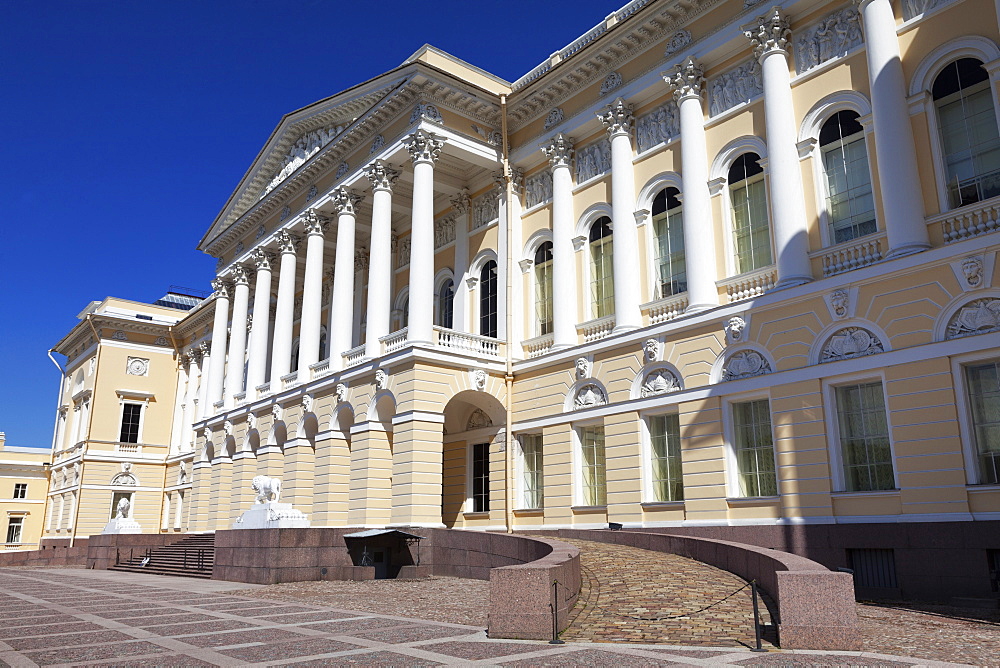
(190, 557)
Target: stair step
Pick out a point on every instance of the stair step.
(180, 559)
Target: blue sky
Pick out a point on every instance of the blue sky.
(128, 124)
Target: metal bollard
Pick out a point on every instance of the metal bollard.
(555, 615)
(756, 617)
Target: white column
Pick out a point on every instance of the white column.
(191, 400)
(217, 369)
(257, 363)
(206, 364)
(618, 120)
(770, 37)
(281, 349)
(237, 334)
(341, 320)
(460, 313)
(312, 294)
(180, 398)
(560, 155)
(515, 336)
(502, 251)
(424, 148)
(382, 178)
(360, 276)
(902, 203)
(687, 82)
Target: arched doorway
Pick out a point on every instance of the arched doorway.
(474, 465)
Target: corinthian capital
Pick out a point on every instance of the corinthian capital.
(221, 288)
(315, 223)
(287, 243)
(381, 175)
(423, 146)
(262, 259)
(559, 151)
(346, 201)
(687, 79)
(618, 117)
(461, 201)
(239, 275)
(769, 33)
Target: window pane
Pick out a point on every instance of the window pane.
(754, 448)
(751, 233)
(130, 423)
(480, 477)
(488, 300)
(864, 437)
(543, 288)
(531, 446)
(983, 382)
(665, 442)
(593, 482)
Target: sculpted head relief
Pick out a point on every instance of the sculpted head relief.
(582, 368)
(734, 329)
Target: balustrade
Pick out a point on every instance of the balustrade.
(852, 255)
(538, 345)
(473, 343)
(289, 380)
(394, 341)
(749, 285)
(354, 356)
(968, 221)
(666, 309)
(594, 330)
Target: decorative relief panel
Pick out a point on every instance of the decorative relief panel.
(912, 8)
(538, 188)
(735, 327)
(478, 420)
(137, 366)
(341, 170)
(833, 36)
(593, 160)
(285, 212)
(611, 82)
(980, 316)
(659, 126)
(590, 395)
(651, 350)
(161, 341)
(736, 86)
(428, 111)
(119, 335)
(485, 210)
(677, 42)
(261, 231)
(849, 343)
(444, 232)
(304, 148)
(659, 381)
(554, 118)
(403, 253)
(377, 144)
(840, 303)
(126, 477)
(313, 191)
(745, 364)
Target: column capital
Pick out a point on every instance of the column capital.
(287, 242)
(239, 275)
(559, 151)
(617, 118)
(204, 350)
(381, 175)
(687, 79)
(315, 223)
(423, 146)
(262, 259)
(346, 201)
(770, 33)
(461, 201)
(861, 4)
(516, 180)
(221, 288)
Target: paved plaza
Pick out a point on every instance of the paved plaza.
(102, 618)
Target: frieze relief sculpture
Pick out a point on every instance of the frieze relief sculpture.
(659, 126)
(677, 42)
(590, 395)
(304, 148)
(980, 316)
(538, 188)
(745, 364)
(850, 342)
(126, 477)
(341, 170)
(593, 160)
(403, 252)
(736, 86)
(659, 381)
(912, 8)
(428, 111)
(833, 36)
(554, 118)
(444, 232)
(377, 144)
(485, 209)
(611, 82)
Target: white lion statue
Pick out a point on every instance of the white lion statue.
(265, 488)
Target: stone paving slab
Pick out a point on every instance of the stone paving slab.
(218, 632)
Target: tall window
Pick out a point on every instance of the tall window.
(665, 442)
(602, 284)
(488, 300)
(671, 278)
(531, 450)
(323, 352)
(404, 313)
(594, 485)
(480, 477)
(130, 423)
(751, 230)
(754, 448)
(14, 525)
(864, 438)
(20, 490)
(849, 184)
(983, 381)
(964, 101)
(446, 304)
(543, 288)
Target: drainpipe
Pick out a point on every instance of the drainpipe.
(509, 317)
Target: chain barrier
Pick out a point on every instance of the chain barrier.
(693, 612)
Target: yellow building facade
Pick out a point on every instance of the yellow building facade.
(714, 268)
(24, 476)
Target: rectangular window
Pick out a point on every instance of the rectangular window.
(665, 442)
(480, 477)
(750, 226)
(671, 270)
(14, 525)
(754, 448)
(543, 297)
(850, 202)
(20, 490)
(602, 282)
(130, 423)
(864, 438)
(594, 485)
(983, 383)
(531, 448)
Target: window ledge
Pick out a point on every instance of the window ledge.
(529, 512)
(589, 509)
(479, 515)
(983, 487)
(753, 501)
(872, 493)
(662, 505)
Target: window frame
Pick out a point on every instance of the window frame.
(646, 444)
(537, 328)
(823, 182)
(20, 490)
(521, 471)
(838, 478)
(121, 420)
(655, 261)
(607, 259)
(733, 489)
(481, 296)
(15, 521)
(580, 499)
(970, 451)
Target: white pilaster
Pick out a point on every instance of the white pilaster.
(424, 148)
(770, 36)
(259, 331)
(281, 349)
(618, 120)
(902, 202)
(382, 178)
(502, 250)
(191, 400)
(687, 82)
(560, 155)
(202, 409)
(180, 394)
(341, 319)
(238, 334)
(217, 369)
(463, 209)
(312, 294)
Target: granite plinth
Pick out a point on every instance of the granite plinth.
(122, 525)
(272, 515)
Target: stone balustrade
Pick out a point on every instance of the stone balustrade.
(852, 254)
(968, 221)
(665, 309)
(596, 329)
(471, 343)
(749, 285)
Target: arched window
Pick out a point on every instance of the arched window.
(671, 272)
(295, 356)
(602, 284)
(751, 232)
(488, 300)
(543, 288)
(404, 313)
(446, 304)
(849, 200)
(964, 101)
